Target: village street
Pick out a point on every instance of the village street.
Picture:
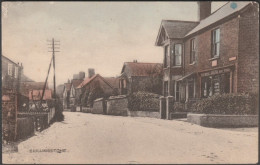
(90, 138)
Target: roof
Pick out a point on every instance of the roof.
(76, 82)
(37, 94)
(88, 80)
(25, 78)
(4, 57)
(113, 81)
(175, 28)
(27, 86)
(142, 69)
(223, 12)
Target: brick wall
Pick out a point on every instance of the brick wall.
(248, 58)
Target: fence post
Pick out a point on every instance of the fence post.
(169, 106)
(163, 107)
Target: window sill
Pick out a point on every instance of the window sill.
(193, 63)
(176, 66)
(214, 58)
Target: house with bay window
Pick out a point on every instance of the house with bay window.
(217, 54)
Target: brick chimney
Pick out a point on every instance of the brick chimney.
(81, 75)
(91, 72)
(204, 9)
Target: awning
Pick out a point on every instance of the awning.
(187, 76)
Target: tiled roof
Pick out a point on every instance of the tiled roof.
(76, 82)
(176, 28)
(223, 12)
(142, 69)
(113, 81)
(37, 94)
(27, 86)
(86, 81)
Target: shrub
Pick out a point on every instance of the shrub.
(143, 101)
(234, 104)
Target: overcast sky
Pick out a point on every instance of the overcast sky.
(99, 35)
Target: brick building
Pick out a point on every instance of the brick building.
(218, 54)
(138, 76)
(98, 86)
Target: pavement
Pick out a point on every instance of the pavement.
(92, 138)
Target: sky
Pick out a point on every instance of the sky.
(99, 35)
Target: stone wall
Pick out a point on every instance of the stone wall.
(98, 106)
(117, 105)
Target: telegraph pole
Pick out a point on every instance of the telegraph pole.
(54, 46)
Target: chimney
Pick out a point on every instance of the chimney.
(68, 80)
(135, 61)
(204, 9)
(75, 76)
(91, 72)
(81, 75)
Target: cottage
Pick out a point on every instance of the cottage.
(138, 76)
(95, 87)
(218, 54)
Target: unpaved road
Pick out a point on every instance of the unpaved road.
(90, 138)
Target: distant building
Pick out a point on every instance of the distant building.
(138, 76)
(69, 90)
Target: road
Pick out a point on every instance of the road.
(90, 138)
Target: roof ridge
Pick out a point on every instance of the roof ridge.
(180, 21)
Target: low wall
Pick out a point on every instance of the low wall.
(117, 105)
(211, 120)
(86, 110)
(144, 114)
(25, 127)
(98, 106)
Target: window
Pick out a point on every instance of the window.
(166, 56)
(166, 88)
(10, 69)
(191, 88)
(192, 51)
(16, 72)
(178, 53)
(215, 43)
(177, 91)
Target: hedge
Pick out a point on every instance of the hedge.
(232, 104)
(144, 101)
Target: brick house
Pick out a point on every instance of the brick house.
(218, 54)
(138, 76)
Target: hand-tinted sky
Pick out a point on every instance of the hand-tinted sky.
(100, 35)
